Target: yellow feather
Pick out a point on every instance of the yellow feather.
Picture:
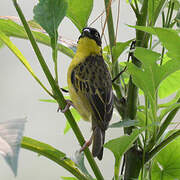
(85, 48)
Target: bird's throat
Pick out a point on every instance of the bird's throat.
(87, 47)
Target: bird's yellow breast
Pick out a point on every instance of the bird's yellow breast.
(85, 48)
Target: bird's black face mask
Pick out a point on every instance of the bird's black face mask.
(91, 33)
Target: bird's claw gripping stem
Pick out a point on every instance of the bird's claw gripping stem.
(68, 104)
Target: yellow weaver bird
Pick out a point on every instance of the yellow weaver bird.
(90, 87)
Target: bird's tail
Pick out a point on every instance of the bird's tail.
(98, 142)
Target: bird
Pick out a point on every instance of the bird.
(90, 87)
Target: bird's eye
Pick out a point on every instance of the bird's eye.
(96, 34)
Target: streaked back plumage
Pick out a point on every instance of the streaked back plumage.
(90, 88)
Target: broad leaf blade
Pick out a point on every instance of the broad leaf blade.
(10, 28)
(119, 48)
(49, 14)
(166, 164)
(120, 145)
(79, 11)
(11, 133)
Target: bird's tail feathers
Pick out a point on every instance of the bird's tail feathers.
(98, 142)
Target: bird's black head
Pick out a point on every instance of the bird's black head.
(91, 33)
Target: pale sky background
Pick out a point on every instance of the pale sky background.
(20, 94)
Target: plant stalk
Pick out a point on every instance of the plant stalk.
(58, 95)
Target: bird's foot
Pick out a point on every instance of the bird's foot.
(86, 144)
(68, 104)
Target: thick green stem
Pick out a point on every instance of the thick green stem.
(133, 160)
(58, 95)
(131, 156)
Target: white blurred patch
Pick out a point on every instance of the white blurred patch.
(11, 133)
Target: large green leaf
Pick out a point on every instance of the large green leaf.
(79, 11)
(150, 75)
(170, 108)
(119, 48)
(168, 37)
(53, 154)
(165, 88)
(120, 145)
(10, 28)
(49, 14)
(166, 164)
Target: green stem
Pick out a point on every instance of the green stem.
(116, 169)
(167, 121)
(146, 137)
(131, 156)
(111, 33)
(54, 55)
(164, 143)
(51, 153)
(58, 95)
(170, 15)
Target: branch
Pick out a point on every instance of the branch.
(57, 93)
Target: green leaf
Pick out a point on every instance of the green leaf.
(165, 88)
(150, 75)
(171, 102)
(16, 51)
(177, 19)
(49, 14)
(120, 145)
(53, 154)
(147, 78)
(42, 148)
(10, 28)
(68, 178)
(20, 56)
(48, 100)
(79, 161)
(79, 11)
(168, 37)
(166, 164)
(1, 44)
(119, 48)
(125, 123)
(77, 118)
(165, 111)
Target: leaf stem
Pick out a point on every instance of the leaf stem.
(167, 121)
(117, 168)
(54, 54)
(51, 153)
(58, 95)
(164, 143)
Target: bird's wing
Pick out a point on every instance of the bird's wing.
(93, 80)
